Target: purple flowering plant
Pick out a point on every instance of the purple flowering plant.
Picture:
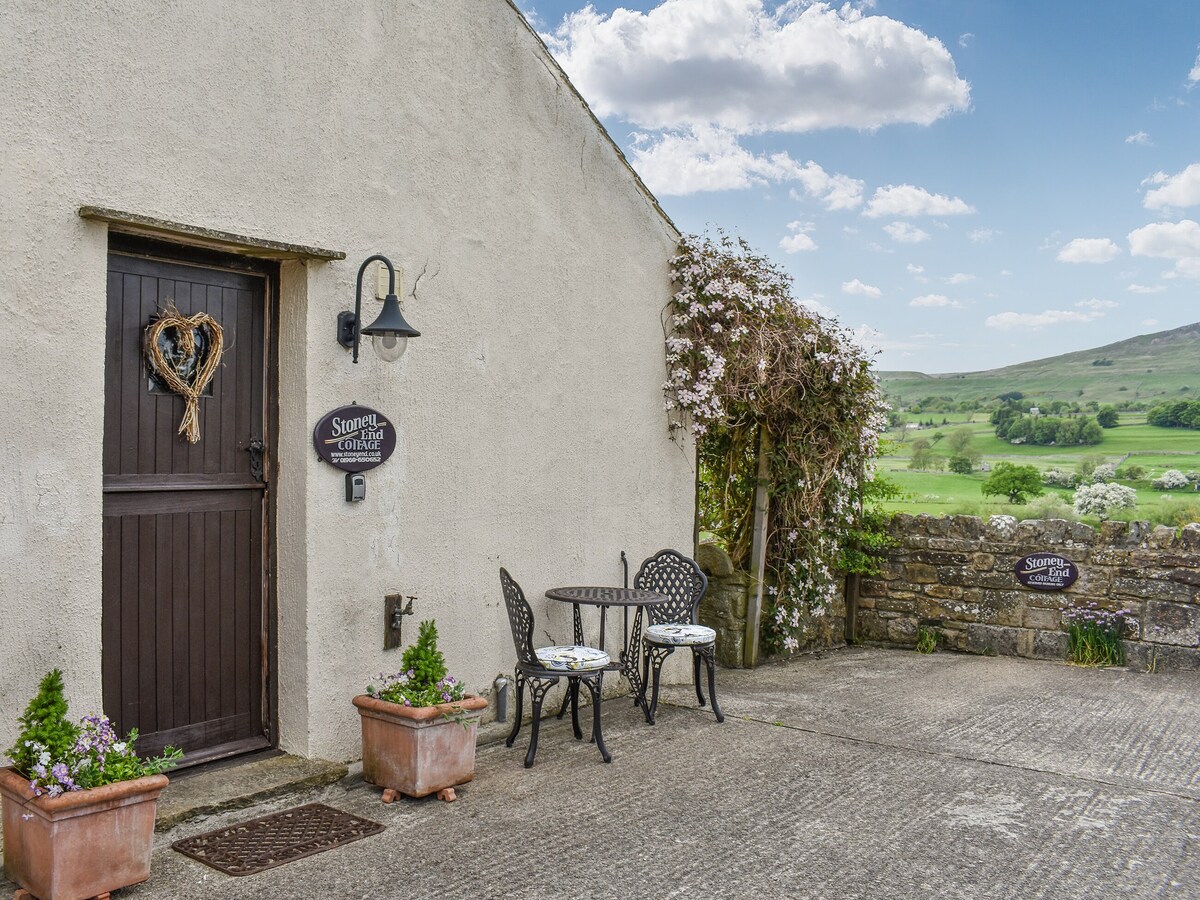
(423, 679)
(1094, 635)
(58, 756)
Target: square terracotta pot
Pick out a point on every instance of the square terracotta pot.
(418, 750)
(82, 843)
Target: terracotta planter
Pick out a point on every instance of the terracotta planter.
(417, 751)
(80, 844)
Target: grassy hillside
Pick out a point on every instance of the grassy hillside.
(1149, 367)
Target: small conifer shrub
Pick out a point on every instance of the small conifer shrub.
(423, 679)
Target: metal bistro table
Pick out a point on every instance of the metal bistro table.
(629, 661)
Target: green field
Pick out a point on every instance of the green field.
(944, 493)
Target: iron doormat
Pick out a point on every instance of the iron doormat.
(274, 840)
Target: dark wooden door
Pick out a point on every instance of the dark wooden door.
(185, 527)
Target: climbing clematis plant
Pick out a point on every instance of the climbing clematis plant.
(750, 372)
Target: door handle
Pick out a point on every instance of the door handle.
(256, 448)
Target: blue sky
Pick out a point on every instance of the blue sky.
(968, 183)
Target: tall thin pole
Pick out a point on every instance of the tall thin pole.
(758, 550)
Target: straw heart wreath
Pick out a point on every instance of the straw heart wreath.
(186, 328)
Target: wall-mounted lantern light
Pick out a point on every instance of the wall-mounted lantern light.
(389, 333)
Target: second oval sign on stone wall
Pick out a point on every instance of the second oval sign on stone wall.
(1046, 571)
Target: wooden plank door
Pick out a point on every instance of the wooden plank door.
(185, 655)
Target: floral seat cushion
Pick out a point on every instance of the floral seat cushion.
(680, 634)
(572, 659)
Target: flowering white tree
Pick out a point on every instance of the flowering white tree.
(1102, 498)
(748, 369)
(1104, 472)
(1170, 480)
(1059, 478)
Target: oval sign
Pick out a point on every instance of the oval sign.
(354, 438)
(1046, 571)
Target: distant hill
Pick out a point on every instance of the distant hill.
(1148, 367)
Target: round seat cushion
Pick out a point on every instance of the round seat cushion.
(571, 659)
(680, 634)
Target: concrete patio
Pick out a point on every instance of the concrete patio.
(862, 773)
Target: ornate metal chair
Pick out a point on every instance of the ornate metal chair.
(544, 667)
(673, 624)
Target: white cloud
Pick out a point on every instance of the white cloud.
(1194, 75)
(1141, 138)
(1146, 289)
(981, 235)
(909, 200)
(1089, 250)
(711, 159)
(904, 233)
(1188, 268)
(814, 304)
(915, 269)
(863, 290)
(1181, 189)
(737, 64)
(530, 13)
(1034, 321)
(1149, 323)
(1169, 240)
(872, 341)
(799, 239)
(964, 40)
(934, 301)
(959, 278)
(1096, 305)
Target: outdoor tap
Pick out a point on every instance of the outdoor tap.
(501, 685)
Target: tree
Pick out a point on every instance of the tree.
(1087, 465)
(1101, 499)
(1091, 433)
(1017, 483)
(960, 441)
(961, 465)
(1133, 473)
(922, 455)
(1170, 480)
(1107, 417)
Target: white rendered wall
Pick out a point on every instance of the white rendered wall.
(532, 433)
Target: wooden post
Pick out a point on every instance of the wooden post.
(758, 551)
(853, 584)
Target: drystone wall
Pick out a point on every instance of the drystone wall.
(956, 575)
(724, 606)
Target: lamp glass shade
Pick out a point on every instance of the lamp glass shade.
(390, 333)
(390, 346)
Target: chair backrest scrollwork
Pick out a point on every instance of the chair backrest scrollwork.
(670, 572)
(520, 619)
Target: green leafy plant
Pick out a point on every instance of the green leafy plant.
(766, 385)
(927, 640)
(44, 726)
(423, 679)
(57, 756)
(1018, 483)
(1094, 635)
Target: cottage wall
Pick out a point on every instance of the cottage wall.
(532, 431)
